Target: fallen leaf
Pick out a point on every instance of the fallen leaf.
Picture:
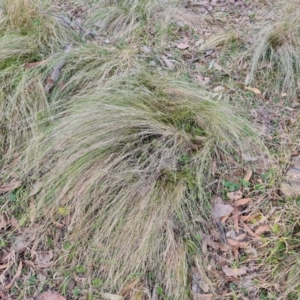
(234, 196)
(111, 296)
(129, 287)
(43, 257)
(248, 175)
(242, 202)
(10, 187)
(240, 237)
(36, 64)
(50, 295)
(236, 253)
(219, 89)
(221, 210)
(3, 222)
(248, 229)
(250, 217)
(182, 46)
(17, 275)
(254, 90)
(234, 272)
(237, 244)
(262, 229)
(6, 266)
(168, 63)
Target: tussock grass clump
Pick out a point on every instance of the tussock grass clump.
(27, 35)
(133, 18)
(277, 45)
(125, 170)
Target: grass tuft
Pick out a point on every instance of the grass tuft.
(128, 163)
(276, 47)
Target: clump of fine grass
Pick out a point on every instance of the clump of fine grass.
(125, 170)
(130, 18)
(277, 45)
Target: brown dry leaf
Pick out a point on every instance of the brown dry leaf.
(10, 186)
(248, 229)
(222, 210)
(237, 244)
(43, 258)
(236, 253)
(224, 219)
(248, 175)
(234, 272)
(203, 296)
(17, 275)
(129, 287)
(250, 217)
(234, 196)
(111, 296)
(182, 46)
(50, 295)
(254, 90)
(6, 266)
(168, 63)
(262, 229)
(3, 222)
(241, 237)
(242, 202)
(219, 89)
(36, 64)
